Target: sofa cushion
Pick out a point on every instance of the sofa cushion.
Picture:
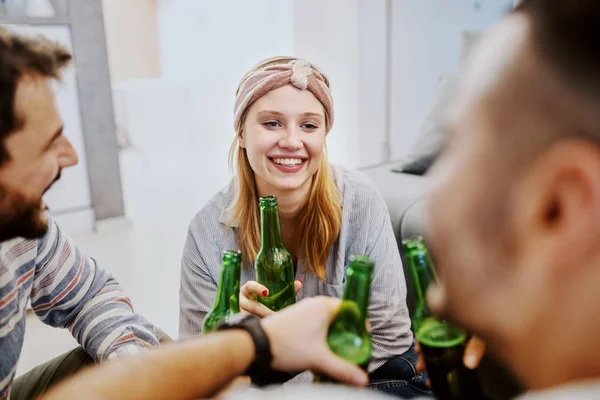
(430, 140)
(413, 223)
(400, 191)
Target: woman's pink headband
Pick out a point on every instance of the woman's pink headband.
(298, 73)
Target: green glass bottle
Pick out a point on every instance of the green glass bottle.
(273, 264)
(442, 344)
(347, 335)
(227, 302)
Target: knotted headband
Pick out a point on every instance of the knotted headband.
(298, 73)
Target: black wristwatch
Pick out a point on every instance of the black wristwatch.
(251, 324)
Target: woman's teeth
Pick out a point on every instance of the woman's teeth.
(288, 161)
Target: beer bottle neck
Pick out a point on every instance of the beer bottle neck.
(229, 288)
(270, 229)
(423, 274)
(357, 289)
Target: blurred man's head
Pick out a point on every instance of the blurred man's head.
(33, 150)
(515, 213)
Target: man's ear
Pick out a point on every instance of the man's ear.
(558, 201)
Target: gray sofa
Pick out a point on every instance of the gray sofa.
(404, 194)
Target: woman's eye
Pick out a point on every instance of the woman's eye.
(309, 126)
(272, 124)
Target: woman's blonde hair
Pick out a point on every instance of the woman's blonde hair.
(320, 218)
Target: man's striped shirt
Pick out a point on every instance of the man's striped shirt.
(67, 289)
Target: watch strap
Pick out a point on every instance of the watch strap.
(262, 345)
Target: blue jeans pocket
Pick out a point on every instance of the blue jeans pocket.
(400, 388)
(399, 377)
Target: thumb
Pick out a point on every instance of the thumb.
(298, 285)
(341, 370)
(474, 352)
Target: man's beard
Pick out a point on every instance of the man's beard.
(22, 217)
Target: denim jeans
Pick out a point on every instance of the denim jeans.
(36, 382)
(399, 377)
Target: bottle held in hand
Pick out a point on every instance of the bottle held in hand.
(273, 264)
(347, 335)
(227, 302)
(442, 344)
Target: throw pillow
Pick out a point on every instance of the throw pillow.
(431, 136)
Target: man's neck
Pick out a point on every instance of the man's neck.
(563, 349)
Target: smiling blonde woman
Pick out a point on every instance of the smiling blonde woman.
(282, 115)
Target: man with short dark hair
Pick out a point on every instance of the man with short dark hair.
(38, 263)
(515, 212)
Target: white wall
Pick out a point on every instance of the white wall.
(207, 45)
(373, 80)
(326, 34)
(131, 39)
(347, 39)
(210, 45)
(425, 45)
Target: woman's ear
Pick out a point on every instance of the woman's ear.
(241, 139)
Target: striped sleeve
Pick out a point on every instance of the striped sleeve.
(388, 313)
(71, 291)
(198, 289)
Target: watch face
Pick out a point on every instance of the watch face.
(237, 319)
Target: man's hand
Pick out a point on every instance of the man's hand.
(475, 347)
(473, 354)
(298, 337)
(201, 367)
(250, 291)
